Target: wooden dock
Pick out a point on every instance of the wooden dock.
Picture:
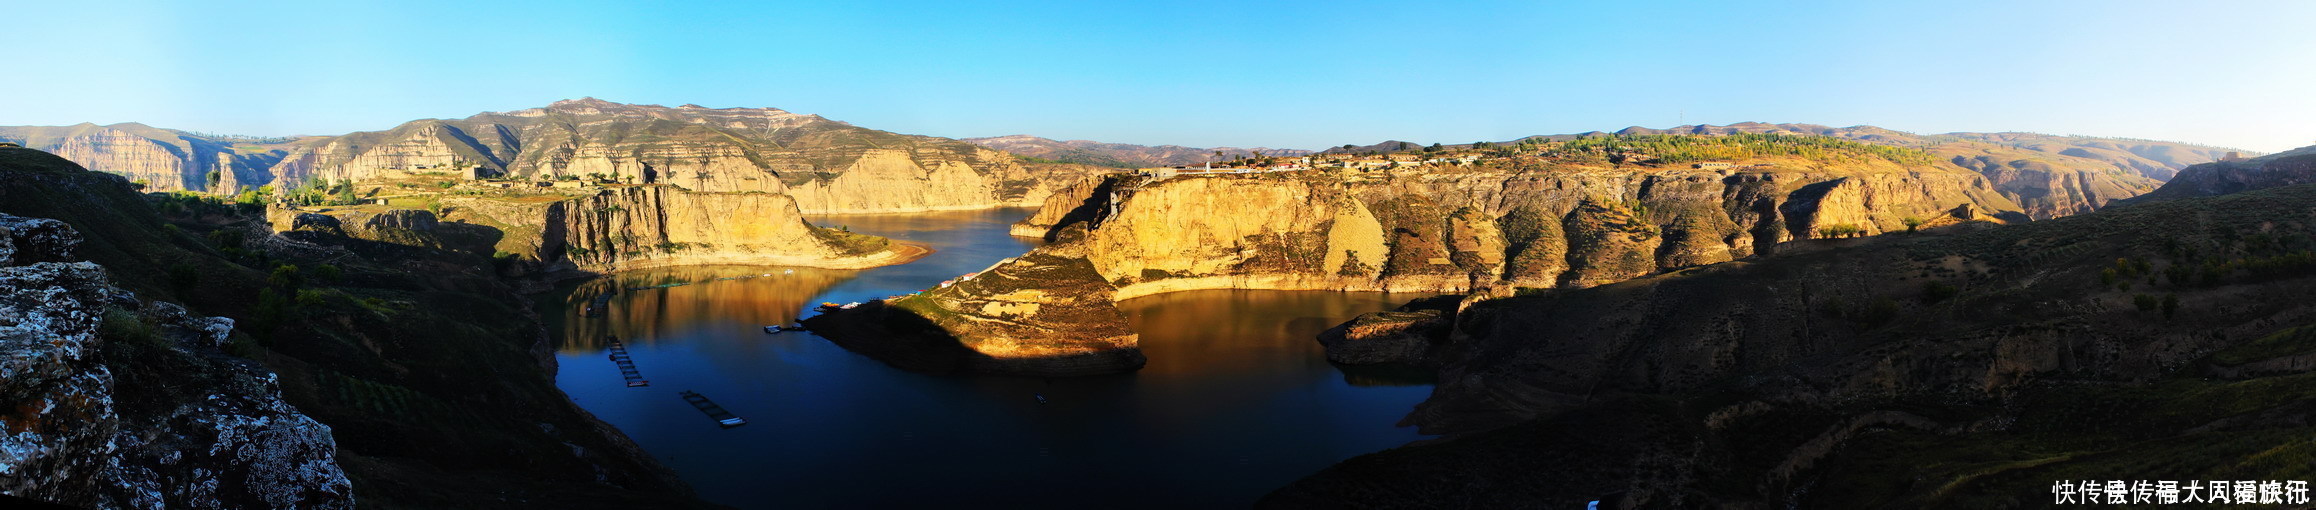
(626, 363)
(723, 418)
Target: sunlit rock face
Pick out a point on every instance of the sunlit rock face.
(208, 430)
(1434, 228)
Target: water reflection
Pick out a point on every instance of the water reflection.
(1192, 334)
(642, 302)
(1237, 399)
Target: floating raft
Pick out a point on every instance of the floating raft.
(723, 418)
(597, 306)
(626, 363)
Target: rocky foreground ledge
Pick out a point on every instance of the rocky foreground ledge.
(115, 403)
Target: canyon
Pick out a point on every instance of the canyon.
(1486, 228)
(412, 363)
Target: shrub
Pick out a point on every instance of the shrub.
(2145, 302)
(327, 273)
(184, 276)
(1937, 291)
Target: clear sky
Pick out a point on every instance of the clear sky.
(1243, 73)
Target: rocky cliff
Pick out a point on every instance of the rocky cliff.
(2224, 177)
(1960, 368)
(630, 227)
(1429, 227)
(122, 404)
(164, 160)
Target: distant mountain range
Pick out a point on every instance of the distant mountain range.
(767, 149)
(829, 166)
(1120, 154)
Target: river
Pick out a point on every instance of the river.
(1237, 398)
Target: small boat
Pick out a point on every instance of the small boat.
(774, 330)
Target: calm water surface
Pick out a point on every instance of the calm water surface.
(1237, 399)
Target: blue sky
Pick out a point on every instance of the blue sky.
(1278, 74)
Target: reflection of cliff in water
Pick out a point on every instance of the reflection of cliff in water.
(1186, 334)
(647, 301)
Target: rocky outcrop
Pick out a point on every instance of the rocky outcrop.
(630, 227)
(2220, 178)
(1237, 232)
(1044, 314)
(1087, 200)
(1607, 244)
(125, 406)
(1411, 335)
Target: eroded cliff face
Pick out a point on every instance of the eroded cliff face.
(1236, 232)
(122, 404)
(162, 159)
(631, 227)
(1428, 229)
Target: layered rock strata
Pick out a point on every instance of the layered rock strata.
(614, 229)
(1429, 230)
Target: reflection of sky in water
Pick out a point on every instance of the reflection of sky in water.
(1237, 398)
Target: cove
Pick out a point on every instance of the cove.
(1237, 399)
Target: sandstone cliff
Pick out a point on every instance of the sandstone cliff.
(1426, 228)
(630, 227)
(121, 404)
(164, 160)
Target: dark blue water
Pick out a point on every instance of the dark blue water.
(1237, 399)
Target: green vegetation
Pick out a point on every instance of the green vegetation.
(323, 192)
(849, 243)
(1841, 230)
